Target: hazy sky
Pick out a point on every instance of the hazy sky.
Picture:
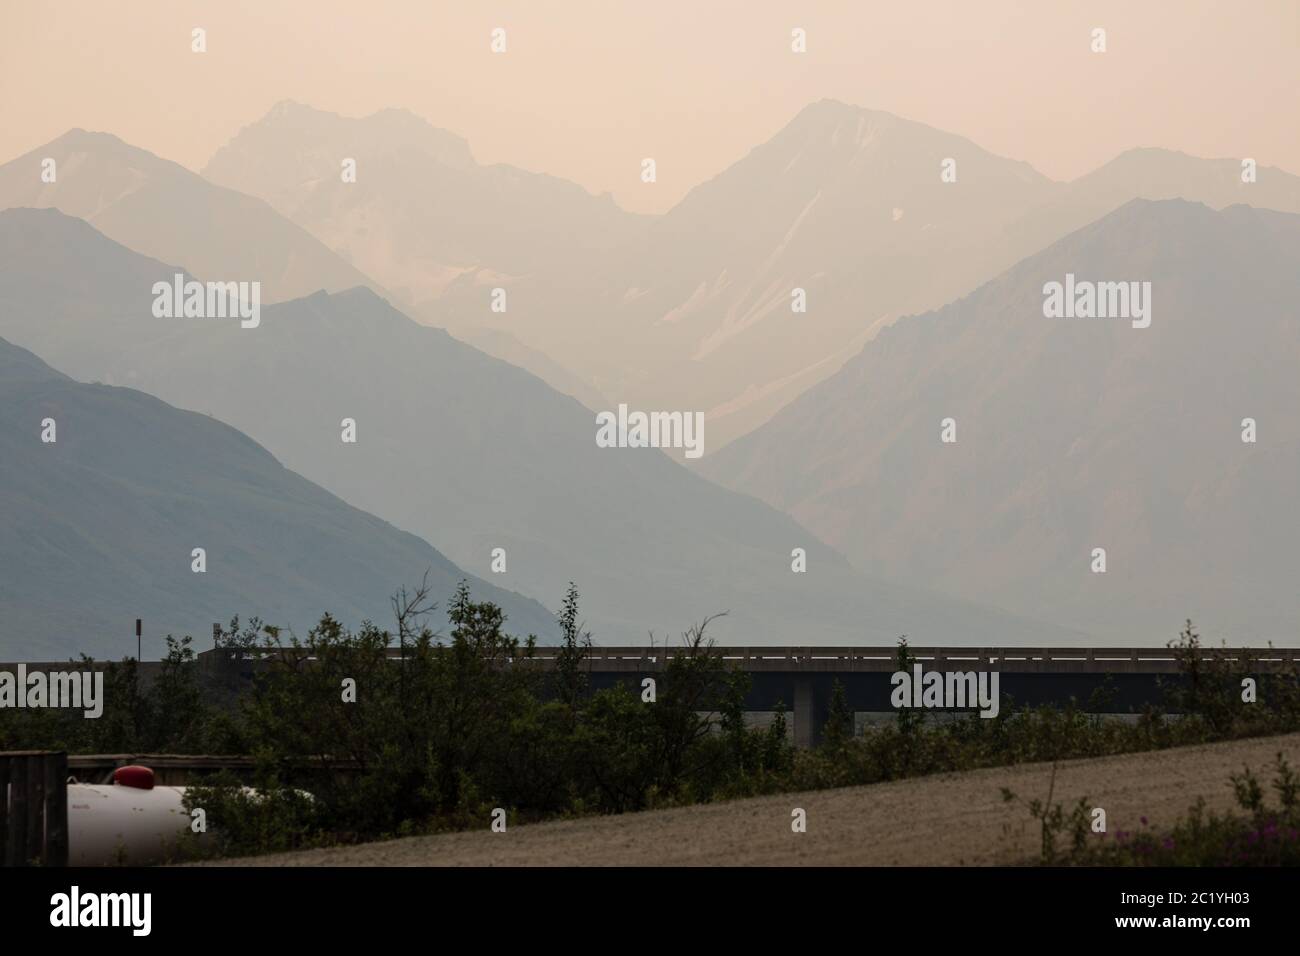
(586, 89)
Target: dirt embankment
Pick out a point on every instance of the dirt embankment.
(952, 819)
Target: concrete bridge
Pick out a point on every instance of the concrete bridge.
(1111, 680)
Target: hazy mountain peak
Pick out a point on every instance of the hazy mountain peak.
(308, 136)
(1074, 433)
(1129, 231)
(291, 110)
(827, 108)
(287, 107)
(408, 204)
(78, 135)
(835, 119)
(360, 295)
(1154, 158)
(359, 304)
(1155, 172)
(1174, 209)
(159, 208)
(857, 127)
(1152, 151)
(845, 156)
(104, 147)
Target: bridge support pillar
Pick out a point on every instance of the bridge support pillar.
(803, 711)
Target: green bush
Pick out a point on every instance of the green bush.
(467, 721)
(1259, 834)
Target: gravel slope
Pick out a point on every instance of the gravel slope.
(952, 819)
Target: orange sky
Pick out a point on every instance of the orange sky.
(587, 89)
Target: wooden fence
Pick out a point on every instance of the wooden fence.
(33, 808)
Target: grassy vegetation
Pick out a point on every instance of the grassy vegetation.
(1259, 833)
(467, 722)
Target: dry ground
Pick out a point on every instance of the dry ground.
(950, 819)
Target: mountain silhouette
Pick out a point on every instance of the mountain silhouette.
(692, 310)
(1074, 434)
(159, 208)
(464, 450)
(99, 527)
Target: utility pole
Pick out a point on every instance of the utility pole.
(137, 640)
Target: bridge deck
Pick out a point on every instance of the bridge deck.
(834, 660)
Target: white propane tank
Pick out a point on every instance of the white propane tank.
(130, 822)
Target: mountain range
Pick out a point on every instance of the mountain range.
(162, 210)
(159, 208)
(694, 310)
(482, 436)
(100, 525)
(466, 451)
(1073, 434)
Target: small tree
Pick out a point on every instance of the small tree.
(571, 682)
(910, 719)
(1208, 687)
(839, 723)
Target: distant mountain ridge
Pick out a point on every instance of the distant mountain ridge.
(692, 310)
(689, 311)
(98, 527)
(421, 212)
(162, 210)
(465, 450)
(159, 209)
(1074, 434)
